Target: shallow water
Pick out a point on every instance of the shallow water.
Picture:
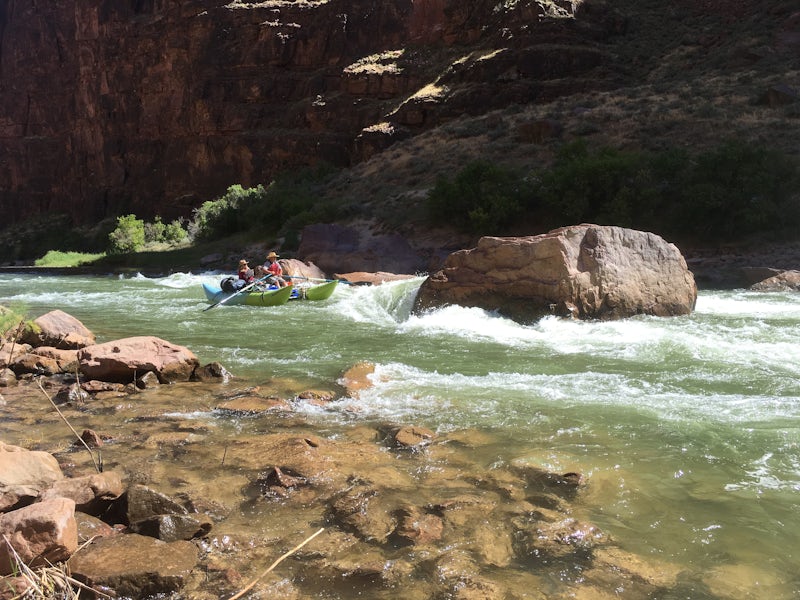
(687, 429)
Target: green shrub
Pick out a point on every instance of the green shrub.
(129, 236)
(13, 324)
(154, 232)
(171, 234)
(739, 189)
(215, 219)
(482, 198)
(174, 233)
(604, 186)
(727, 192)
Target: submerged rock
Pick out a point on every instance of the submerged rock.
(134, 565)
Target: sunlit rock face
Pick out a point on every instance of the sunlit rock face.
(584, 271)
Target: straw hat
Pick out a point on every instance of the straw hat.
(271, 255)
(243, 263)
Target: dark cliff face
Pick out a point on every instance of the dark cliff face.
(153, 106)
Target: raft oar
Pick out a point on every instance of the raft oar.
(247, 287)
(320, 279)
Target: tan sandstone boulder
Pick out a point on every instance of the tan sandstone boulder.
(60, 330)
(585, 271)
(124, 360)
(301, 270)
(785, 281)
(90, 493)
(24, 474)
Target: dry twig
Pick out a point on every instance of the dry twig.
(98, 467)
(250, 585)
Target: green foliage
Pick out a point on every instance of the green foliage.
(158, 232)
(739, 189)
(731, 191)
(608, 186)
(129, 236)
(154, 232)
(174, 234)
(12, 322)
(56, 258)
(215, 219)
(482, 198)
(291, 201)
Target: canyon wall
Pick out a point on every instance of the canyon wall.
(109, 107)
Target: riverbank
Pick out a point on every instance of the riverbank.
(741, 265)
(730, 266)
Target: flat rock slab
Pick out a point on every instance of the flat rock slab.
(135, 565)
(126, 359)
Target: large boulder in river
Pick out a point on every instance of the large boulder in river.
(124, 360)
(586, 271)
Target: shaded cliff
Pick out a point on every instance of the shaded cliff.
(153, 106)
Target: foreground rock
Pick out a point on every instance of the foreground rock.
(584, 271)
(42, 533)
(24, 475)
(58, 329)
(126, 359)
(135, 565)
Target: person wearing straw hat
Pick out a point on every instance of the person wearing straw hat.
(274, 270)
(245, 272)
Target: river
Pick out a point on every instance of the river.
(689, 425)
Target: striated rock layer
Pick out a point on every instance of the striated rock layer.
(585, 271)
(109, 107)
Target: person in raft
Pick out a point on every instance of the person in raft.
(245, 272)
(273, 269)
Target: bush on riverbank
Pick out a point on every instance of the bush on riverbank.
(726, 193)
(287, 204)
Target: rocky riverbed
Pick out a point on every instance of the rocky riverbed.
(185, 481)
(204, 485)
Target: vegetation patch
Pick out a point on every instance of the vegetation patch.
(57, 258)
(728, 192)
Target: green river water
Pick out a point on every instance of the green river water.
(686, 429)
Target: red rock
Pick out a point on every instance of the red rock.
(123, 360)
(40, 533)
(60, 330)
